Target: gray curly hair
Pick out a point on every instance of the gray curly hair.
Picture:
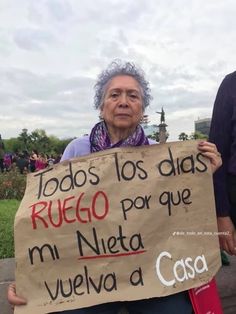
(118, 67)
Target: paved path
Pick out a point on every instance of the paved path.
(226, 280)
(6, 275)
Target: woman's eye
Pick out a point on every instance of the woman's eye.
(114, 95)
(133, 96)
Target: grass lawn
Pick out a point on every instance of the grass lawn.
(8, 209)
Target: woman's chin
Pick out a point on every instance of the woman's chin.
(125, 126)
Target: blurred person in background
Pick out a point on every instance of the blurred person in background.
(223, 134)
(2, 149)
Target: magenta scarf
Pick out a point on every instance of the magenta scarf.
(100, 140)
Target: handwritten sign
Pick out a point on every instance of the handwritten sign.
(123, 224)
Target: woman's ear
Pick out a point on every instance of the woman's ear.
(101, 110)
(101, 113)
(142, 116)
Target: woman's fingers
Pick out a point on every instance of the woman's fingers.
(227, 234)
(14, 299)
(210, 151)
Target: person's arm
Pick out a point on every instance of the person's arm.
(76, 148)
(221, 135)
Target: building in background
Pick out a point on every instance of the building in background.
(203, 126)
(148, 129)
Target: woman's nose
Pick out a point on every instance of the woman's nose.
(123, 100)
(123, 104)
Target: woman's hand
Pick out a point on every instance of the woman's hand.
(14, 299)
(210, 151)
(227, 235)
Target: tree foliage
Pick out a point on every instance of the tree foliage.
(183, 136)
(36, 140)
(154, 136)
(198, 136)
(193, 136)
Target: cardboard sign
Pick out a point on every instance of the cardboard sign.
(122, 224)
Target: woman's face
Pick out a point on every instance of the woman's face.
(122, 106)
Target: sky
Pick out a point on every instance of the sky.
(51, 52)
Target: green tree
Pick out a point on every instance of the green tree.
(39, 140)
(62, 145)
(24, 139)
(57, 146)
(154, 136)
(183, 136)
(198, 136)
(13, 145)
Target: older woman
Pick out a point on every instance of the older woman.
(122, 94)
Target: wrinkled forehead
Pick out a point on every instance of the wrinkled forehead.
(125, 82)
(122, 81)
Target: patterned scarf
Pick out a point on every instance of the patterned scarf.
(100, 140)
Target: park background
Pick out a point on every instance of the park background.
(51, 52)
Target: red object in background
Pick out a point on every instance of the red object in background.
(205, 299)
